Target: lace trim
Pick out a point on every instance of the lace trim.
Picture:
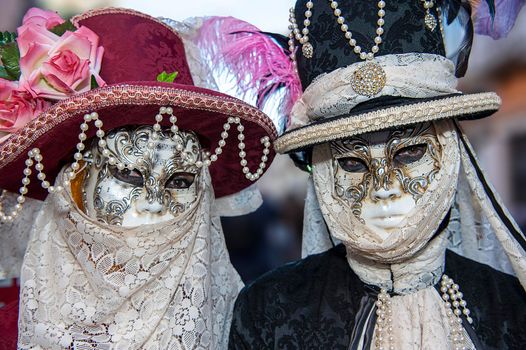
(419, 272)
(89, 285)
(415, 75)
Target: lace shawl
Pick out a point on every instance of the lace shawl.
(85, 284)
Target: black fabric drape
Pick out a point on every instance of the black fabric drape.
(319, 303)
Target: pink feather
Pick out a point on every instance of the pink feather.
(246, 51)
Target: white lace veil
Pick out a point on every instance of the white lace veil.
(480, 227)
(161, 286)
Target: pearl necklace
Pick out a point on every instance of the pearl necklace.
(303, 36)
(453, 301)
(370, 78)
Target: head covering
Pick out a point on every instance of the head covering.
(137, 49)
(166, 285)
(416, 79)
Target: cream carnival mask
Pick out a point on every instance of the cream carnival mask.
(157, 183)
(383, 174)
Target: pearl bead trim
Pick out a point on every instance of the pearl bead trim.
(384, 321)
(455, 305)
(454, 302)
(34, 160)
(35, 157)
(338, 128)
(348, 34)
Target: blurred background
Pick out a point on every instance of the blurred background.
(271, 236)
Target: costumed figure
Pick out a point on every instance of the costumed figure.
(410, 247)
(135, 158)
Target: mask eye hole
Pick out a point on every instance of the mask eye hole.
(410, 154)
(353, 165)
(132, 177)
(180, 180)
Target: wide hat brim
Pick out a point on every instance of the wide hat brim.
(55, 132)
(374, 116)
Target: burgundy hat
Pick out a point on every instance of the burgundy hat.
(137, 48)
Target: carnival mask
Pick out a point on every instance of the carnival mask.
(382, 175)
(156, 183)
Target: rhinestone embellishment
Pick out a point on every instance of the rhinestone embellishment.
(430, 21)
(307, 50)
(369, 79)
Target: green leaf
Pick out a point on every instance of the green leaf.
(11, 59)
(4, 74)
(7, 37)
(94, 83)
(60, 29)
(167, 77)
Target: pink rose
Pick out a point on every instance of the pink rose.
(55, 67)
(42, 18)
(17, 108)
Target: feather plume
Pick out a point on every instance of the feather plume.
(458, 33)
(496, 18)
(261, 65)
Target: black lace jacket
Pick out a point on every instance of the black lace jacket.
(319, 303)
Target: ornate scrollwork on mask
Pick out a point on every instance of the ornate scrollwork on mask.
(420, 134)
(354, 193)
(410, 156)
(144, 174)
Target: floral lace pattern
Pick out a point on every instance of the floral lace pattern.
(415, 75)
(15, 235)
(160, 286)
(416, 273)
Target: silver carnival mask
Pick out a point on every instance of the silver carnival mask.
(382, 175)
(146, 177)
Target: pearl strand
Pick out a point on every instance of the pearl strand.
(303, 36)
(453, 300)
(384, 321)
(455, 307)
(34, 158)
(349, 36)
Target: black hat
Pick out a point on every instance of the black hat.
(410, 79)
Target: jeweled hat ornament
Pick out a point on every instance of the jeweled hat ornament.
(106, 69)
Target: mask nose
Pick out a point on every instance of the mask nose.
(149, 207)
(382, 193)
